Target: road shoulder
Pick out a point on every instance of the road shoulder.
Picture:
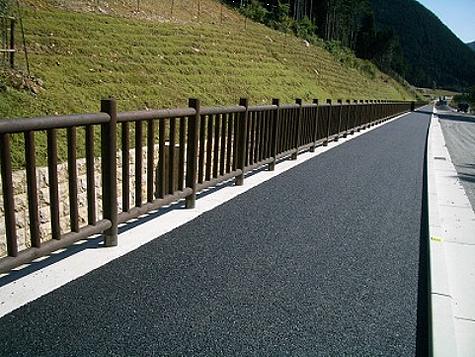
(452, 253)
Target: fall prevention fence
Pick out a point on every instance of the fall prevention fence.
(138, 162)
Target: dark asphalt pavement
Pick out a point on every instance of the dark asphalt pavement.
(322, 260)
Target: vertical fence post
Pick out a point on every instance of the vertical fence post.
(348, 111)
(374, 113)
(72, 180)
(370, 111)
(109, 170)
(377, 106)
(32, 188)
(149, 160)
(368, 114)
(361, 115)
(192, 151)
(340, 109)
(413, 106)
(275, 134)
(91, 187)
(242, 141)
(8, 194)
(355, 114)
(298, 124)
(329, 120)
(380, 111)
(53, 183)
(315, 129)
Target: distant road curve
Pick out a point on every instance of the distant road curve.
(459, 133)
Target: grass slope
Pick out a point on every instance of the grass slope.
(85, 51)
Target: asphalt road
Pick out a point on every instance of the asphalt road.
(322, 260)
(459, 134)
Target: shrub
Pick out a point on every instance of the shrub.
(256, 11)
(304, 28)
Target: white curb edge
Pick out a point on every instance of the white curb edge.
(442, 322)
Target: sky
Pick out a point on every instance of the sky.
(457, 15)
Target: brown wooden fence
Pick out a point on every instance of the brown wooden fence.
(197, 148)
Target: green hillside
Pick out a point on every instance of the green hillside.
(436, 57)
(83, 51)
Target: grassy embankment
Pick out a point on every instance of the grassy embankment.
(146, 61)
(83, 53)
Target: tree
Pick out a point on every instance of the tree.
(5, 7)
(279, 18)
(256, 11)
(366, 37)
(304, 28)
(467, 97)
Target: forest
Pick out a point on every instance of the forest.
(351, 23)
(401, 37)
(436, 57)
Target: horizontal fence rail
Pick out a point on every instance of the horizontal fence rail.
(132, 163)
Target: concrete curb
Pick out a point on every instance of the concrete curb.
(442, 321)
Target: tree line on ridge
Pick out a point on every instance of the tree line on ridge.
(401, 37)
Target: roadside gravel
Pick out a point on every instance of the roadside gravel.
(459, 133)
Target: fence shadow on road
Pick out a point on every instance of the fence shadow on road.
(93, 242)
(466, 177)
(97, 241)
(466, 172)
(466, 118)
(424, 112)
(36, 265)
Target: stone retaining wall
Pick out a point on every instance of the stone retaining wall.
(21, 197)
